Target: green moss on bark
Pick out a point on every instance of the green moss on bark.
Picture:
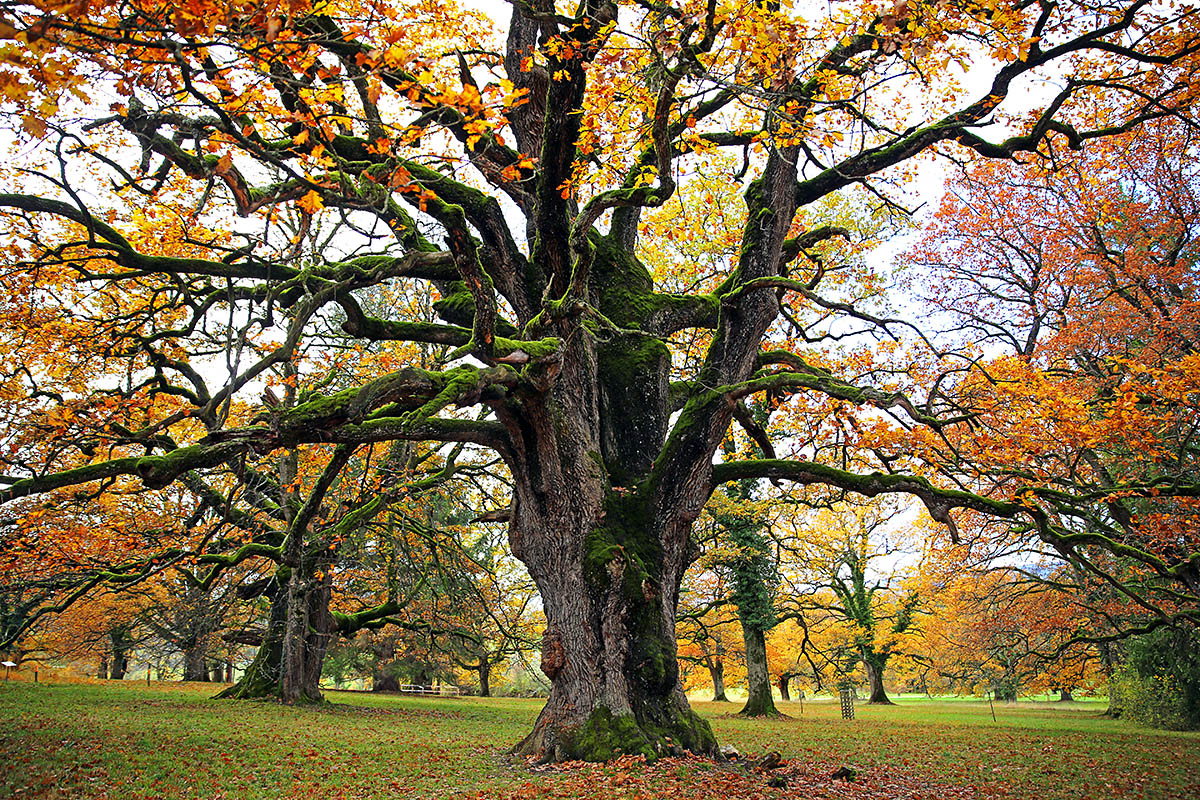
(606, 735)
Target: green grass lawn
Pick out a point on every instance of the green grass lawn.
(170, 741)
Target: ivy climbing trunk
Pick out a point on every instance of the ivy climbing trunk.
(760, 702)
(606, 545)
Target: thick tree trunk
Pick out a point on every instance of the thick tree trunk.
(875, 665)
(309, 629)
(195, 663)
(119, 639)
(383, 680)
(609, 645)
(784, 694)
(760, 703)
(485, 678)
(716, 668)
(606, 545)
(1064, 696)
(288, 663)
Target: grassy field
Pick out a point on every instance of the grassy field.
(171, 741)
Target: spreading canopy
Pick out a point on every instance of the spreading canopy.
(225, 186)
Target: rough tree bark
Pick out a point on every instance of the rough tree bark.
(874, 664)
(784, 693)
(195, 662)
(716, 668)
(120, 642)
(382, 679)
(485, 678)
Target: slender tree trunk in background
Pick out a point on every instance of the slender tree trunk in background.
(784, 694)
(102, 670)
(716, 668)
(875, 664)
(760, 703)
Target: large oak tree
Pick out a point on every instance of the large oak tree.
(513, 182)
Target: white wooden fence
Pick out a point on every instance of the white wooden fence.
(441, 691)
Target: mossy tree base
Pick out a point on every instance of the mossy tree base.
(670, 729)
(267, 676)
(756, 707)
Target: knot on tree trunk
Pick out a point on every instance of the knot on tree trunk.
(554, 658)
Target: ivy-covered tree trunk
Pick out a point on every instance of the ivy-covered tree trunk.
(874, 663)
(754, 579)
(261, 678)
(760, 703)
